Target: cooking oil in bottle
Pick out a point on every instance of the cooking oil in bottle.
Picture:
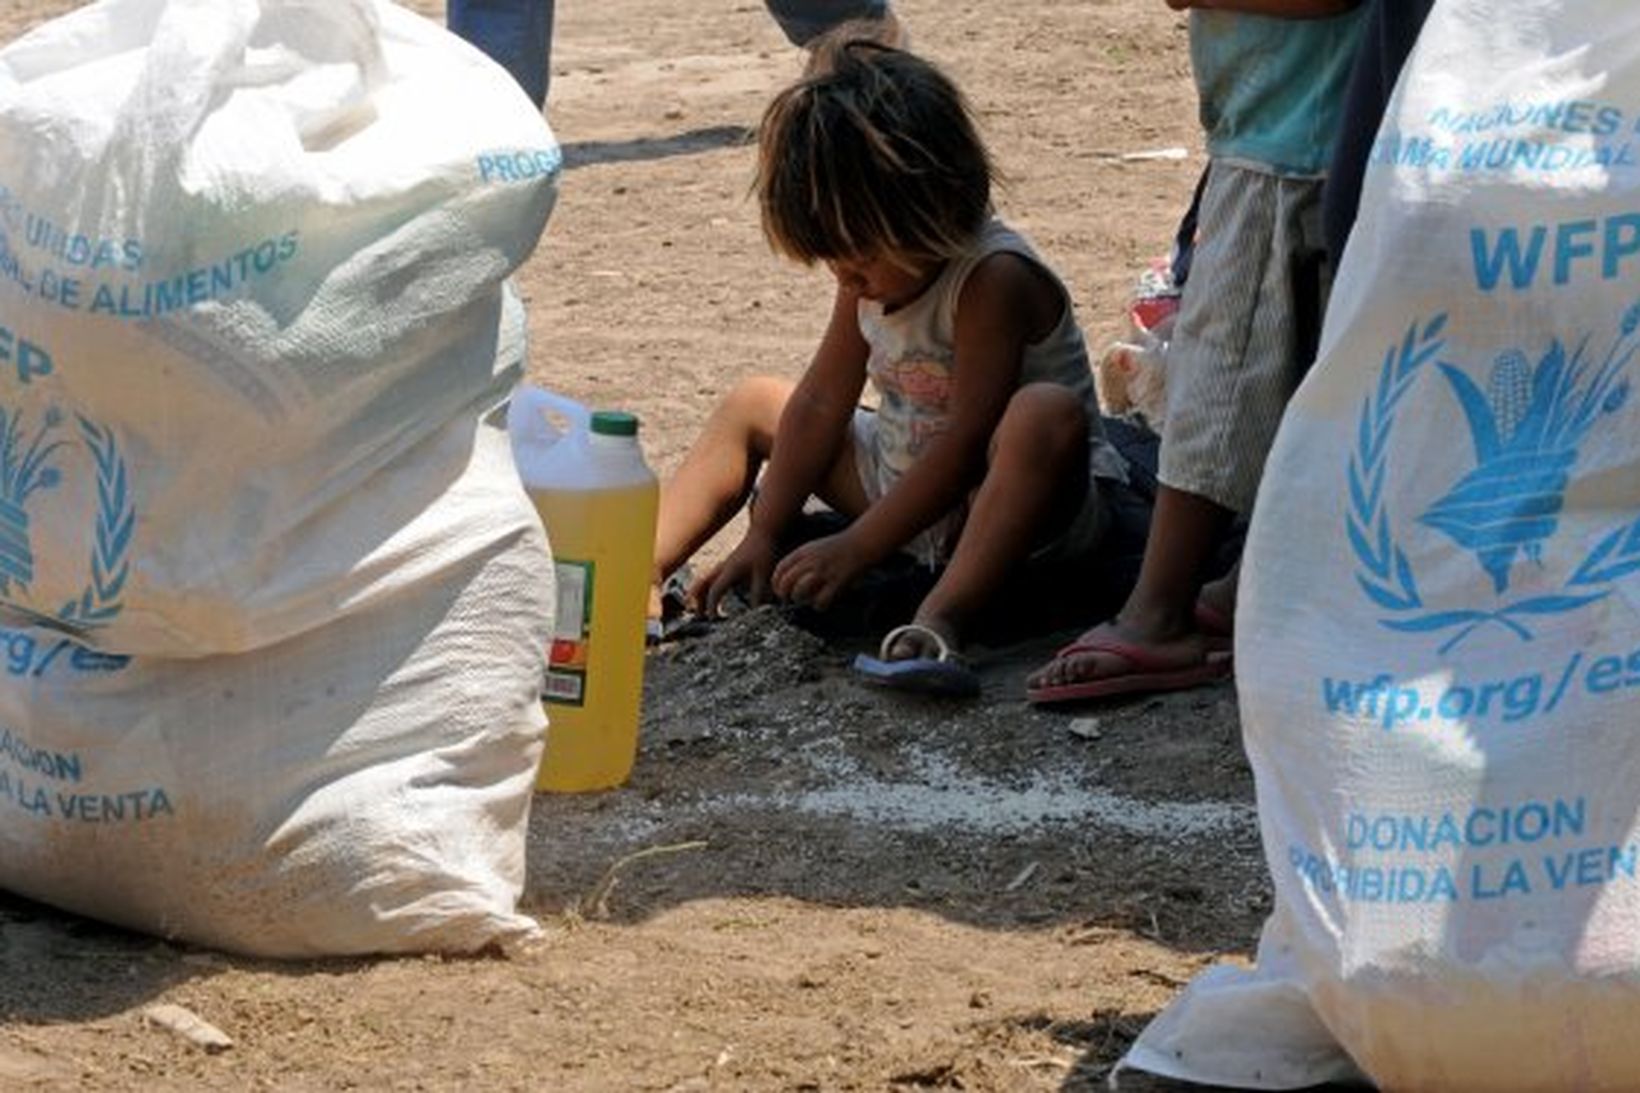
(598, 499)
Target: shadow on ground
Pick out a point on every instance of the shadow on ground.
(59, 967)
(591, 152)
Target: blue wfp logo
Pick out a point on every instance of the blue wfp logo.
(25, 470)
(1527, 427)
(30, 464)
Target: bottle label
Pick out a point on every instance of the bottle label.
(572, 640)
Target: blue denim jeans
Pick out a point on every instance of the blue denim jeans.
(516, 34)
(804, 19)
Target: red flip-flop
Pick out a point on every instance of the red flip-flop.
(1212, 622)
(1217, 627)
(1152, 673)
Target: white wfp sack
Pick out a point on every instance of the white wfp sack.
(271, 600)
(279, 232)
(1438, 676)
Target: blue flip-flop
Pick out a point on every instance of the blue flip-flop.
(945, 673)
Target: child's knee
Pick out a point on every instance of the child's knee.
(755, 404)
(756, 391)
(1045, 420)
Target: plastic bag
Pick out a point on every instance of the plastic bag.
(1130, 376)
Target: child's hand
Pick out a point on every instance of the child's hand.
(748, 566)
(816, 572)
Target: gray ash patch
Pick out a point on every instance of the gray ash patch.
(801, 780)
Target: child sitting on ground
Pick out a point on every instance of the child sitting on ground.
(986, 447)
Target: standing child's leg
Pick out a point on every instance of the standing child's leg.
(1184, 537)
(1156, 632)
(1034, 486)
(1239, 349)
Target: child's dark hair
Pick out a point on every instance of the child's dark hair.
(873, 152)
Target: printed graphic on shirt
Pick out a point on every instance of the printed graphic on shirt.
(916, 401)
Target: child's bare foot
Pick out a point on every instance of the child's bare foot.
(894, 33)
(927, 638)
(1117, 658)
(920, 656)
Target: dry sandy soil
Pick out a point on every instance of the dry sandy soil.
(859, 893)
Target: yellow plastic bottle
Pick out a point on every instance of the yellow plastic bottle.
(597, 498)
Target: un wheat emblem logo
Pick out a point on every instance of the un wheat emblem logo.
(25, 469)
(29, 461)
(1526, 428)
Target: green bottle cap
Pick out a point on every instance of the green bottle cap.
(614, 423)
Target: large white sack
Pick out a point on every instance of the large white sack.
(362, 788)
(251, 253)
(272, 601)
(1439, 636)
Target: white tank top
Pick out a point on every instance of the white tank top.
(913, 357)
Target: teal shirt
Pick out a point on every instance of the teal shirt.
(1272, 89)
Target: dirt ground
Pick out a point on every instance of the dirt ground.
(842, 890)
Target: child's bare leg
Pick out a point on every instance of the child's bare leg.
(1160, 612)
(1036, 482)
(1183, 539)
(717, 475)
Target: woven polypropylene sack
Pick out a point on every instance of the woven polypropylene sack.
(272, 600)
(251, 253)
(1438, 644)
